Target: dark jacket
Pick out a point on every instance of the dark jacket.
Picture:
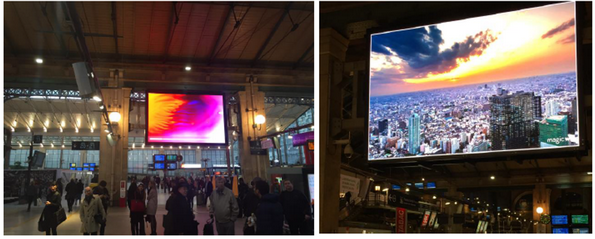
(71, 190)
(250, 203)
(209, 189)
(32, 190)
(180, 214)
(80, 188)
(103, 194)
(269, 215)
(49, 211)
(295, 206)
(130, 194)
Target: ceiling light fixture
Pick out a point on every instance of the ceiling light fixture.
(188, 68)
(39, 60)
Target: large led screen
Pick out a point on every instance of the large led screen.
(185, 118)
(495, 83)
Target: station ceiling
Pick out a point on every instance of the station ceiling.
(152, 43)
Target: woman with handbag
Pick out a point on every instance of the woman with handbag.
(137, 210)
(92, 213)
(51, 211)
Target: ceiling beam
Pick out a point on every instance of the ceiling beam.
(229, 13)
(171, 29)
(84, 34)
(297, 63)
(271, 34)
(115, 28)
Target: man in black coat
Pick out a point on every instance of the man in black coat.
(31, 194)
(179, 214)
(269, 214)
(71, 193)
(80, 187)
(296, 208)
(103, 193)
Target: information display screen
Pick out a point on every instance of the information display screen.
(172, 166)
(453, 87)
(559, 219)
(185, 118)
(580, 219)
(159, 165)
(159, 157)
(560, 230)
(171, 157)
(580, 230)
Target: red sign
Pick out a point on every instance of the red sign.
(424, 222)
(401, 224)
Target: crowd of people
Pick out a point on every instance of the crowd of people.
(263, 211)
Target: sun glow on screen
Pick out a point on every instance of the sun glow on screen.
(185, 118)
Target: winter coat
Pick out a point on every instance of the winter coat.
(152, 202)
(269, 215)
(79, 188)
(224, 206)
(178, 209)
(71, 190)
(130, 194)
(209, 189)
(295, 206)
(49, 211)
(88, 212)
(101, 191)
(250, 203)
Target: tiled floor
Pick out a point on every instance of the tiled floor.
(17, 221)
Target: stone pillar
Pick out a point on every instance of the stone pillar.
(252, 165)
(333, 48)
(113, 154)
(541, 198)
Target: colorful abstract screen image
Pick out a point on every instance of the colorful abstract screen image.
(185, 119)
(497, 83)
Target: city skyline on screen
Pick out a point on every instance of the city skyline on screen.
(185, 118)
(494, 83)
(513, 45)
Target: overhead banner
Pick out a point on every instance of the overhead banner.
(398, 199)
(302, 139)
(350, 184)
(401, 223)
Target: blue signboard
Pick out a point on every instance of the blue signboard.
(559, 219)
(396, 187)
(561, 230)
(431, 185)
(159, 165)
(419, 185)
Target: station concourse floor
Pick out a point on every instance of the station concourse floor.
(17, 221)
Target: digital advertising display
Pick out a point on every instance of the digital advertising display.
(580, 219)
(559, 219)
(560, 230)
(174, 118)
(491, 84)
(432, 219)
(425, 218)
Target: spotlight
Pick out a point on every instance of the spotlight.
(188, 68)
(96, 98)
(434, 197)
(107, 131)
(114, 116)
(11, 129)
(101, 107)
(39, 60)
(493, 177)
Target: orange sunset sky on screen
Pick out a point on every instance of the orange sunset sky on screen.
(519, 51)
